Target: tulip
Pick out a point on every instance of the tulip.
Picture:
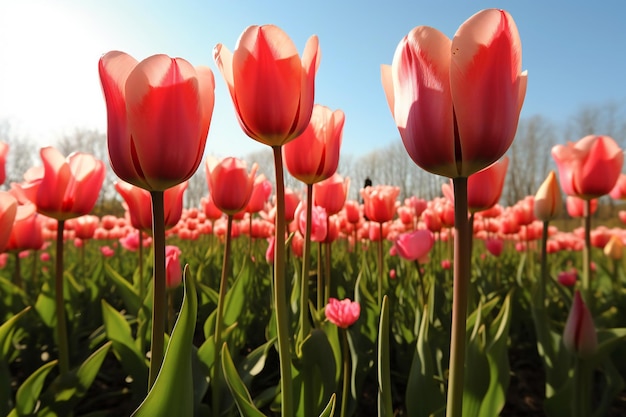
(331, 193)
(614, 248)
(261, 191)
(313, 156)
(174, 275)
(619, 190)
(575, 206)
(230, 184)
(579, 335)
(139, 205)
(158, 113)
(548, 201)
(4, 150)
(211, 211)
(342, 313)
(8, 211)
(319, 223)
(495, 246)
(484, 188)
(379, 202)
(292, 199)
(271, 87)
(85, 226)
(414, 245)
(457, 103)
(65, 187)
(568, 278)
(590, 167)
(107, 251)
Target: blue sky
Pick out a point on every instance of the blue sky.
(49, 51)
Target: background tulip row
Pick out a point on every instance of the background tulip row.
(104, 301)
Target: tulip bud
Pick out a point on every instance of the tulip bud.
(173, 270)
(548, 200)
(579, 336)
(614, 248)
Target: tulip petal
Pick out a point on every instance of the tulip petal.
(487, 86)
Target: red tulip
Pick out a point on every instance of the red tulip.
(353, 211)
(342, 313)
(457, 103)
(271, 87)
(85, 226)
(314, 155)
(484, 188)
(379, 202)
(139, 205)
(211, 211)
(319, 222)
(494, 246)
(331, 193)
(579, 335)
(159, 112)
(590, 167)
(107, 251)
(568, 278)
(65, 187)
(575, 206)
(230, 184)
(8, 211)
(261, 191)
(414, 245)
(619, 190)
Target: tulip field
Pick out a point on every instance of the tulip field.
(270, 301)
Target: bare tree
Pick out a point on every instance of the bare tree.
(599, 119)
(530, 158)
(22, 154)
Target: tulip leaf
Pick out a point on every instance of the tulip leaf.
(46, 306)
(6, 332)
(28, 393)
(125, 289)
(173, 393)
(330, 408)
(424, 395)
(385, 406)
(237, 387)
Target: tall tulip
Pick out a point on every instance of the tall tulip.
(456, 104)
(230, 184)
(272, 89)
(484, 188)
(158, 116)
(63, 189)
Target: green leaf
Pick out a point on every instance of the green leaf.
(172, 392)
(125, 289)
(385, 406)
(28, 393)
(237, 387)
(330, 408)
(6, 333)
(424, 395)
(46, 306)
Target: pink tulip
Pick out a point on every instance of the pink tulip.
(568, 278)
(319, 222)
(261, 191)
(107, 251)
(575, 206)
(590, 167)
(457, 103)
(484, 188)
(65, 187)
(342, 313)
(331, 193)
(415, 245)
(158, 113)
(8, 211)
(579, 335)
(173, 270)
(271, 87)
(494, 246)
(230, 184)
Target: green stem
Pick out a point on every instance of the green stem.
(280, 290)
(219, 318)
(142, 294)
(64, 355)
(380, 265)
(544, 264)
(581, 398)
(304, 279)
(327, 264)
(346, 372)
(421, 282)
(586, 251)
(17, 274)
(159, 299)
(320, 278)
(462, 265)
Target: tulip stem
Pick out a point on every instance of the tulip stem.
(217, 364)
(64, 355)
(462, 265)
(142, 294)
(304, 280)
(280, 290)
(581, 404)
(586, 252)
(346, 371)
(159, 299)
(544, 265)
(380, 265)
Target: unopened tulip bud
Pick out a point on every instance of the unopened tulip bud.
(614, 248)
(579, 336)
(548, 200)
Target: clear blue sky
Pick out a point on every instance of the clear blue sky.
(49, 51)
